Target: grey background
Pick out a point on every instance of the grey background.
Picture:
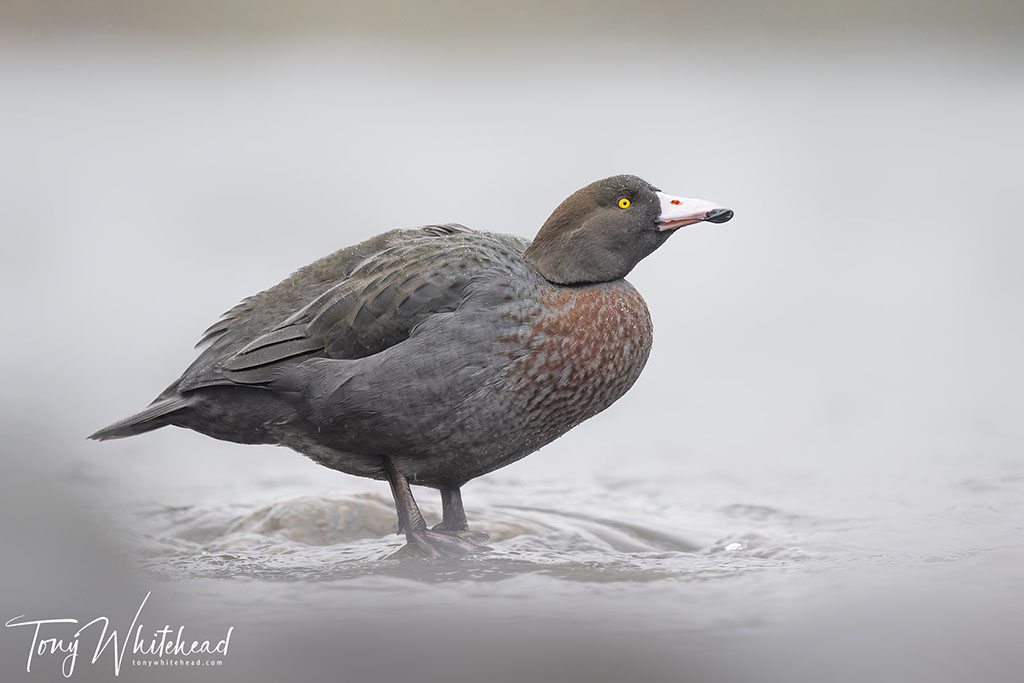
(847, 348)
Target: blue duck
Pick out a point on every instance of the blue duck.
(434, 355)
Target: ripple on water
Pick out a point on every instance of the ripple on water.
(348, 536)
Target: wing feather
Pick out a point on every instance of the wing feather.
(352, 304)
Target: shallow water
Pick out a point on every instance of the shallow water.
(707, 577)
(818, 477)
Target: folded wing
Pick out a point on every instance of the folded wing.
(375, 297)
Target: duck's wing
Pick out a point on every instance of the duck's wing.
(395, 285)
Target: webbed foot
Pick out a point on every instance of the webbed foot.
(440, 543)
(473, 536)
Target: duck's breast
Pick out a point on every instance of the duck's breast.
(579, 350)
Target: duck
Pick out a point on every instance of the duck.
(434, 355)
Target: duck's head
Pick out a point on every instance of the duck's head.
(604, 229)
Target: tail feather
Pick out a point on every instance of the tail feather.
(147, 420)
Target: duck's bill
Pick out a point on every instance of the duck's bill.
(677, 212)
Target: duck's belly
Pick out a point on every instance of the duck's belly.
(551, 361)
(574, 354)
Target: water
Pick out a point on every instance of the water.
(818, 477)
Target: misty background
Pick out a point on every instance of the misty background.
(819, 476)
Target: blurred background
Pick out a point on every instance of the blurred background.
(818, 477)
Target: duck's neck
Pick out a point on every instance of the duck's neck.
(567, 255)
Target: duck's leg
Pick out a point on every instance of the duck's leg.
(454, 521)
(419, 538)
(454, 513)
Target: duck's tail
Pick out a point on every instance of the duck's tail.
(151, 418)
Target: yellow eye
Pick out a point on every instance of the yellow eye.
(623, 203)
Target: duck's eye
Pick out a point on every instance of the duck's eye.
(624, 203)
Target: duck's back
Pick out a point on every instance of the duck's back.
(351, 304)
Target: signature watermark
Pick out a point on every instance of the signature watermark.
(166, 646)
